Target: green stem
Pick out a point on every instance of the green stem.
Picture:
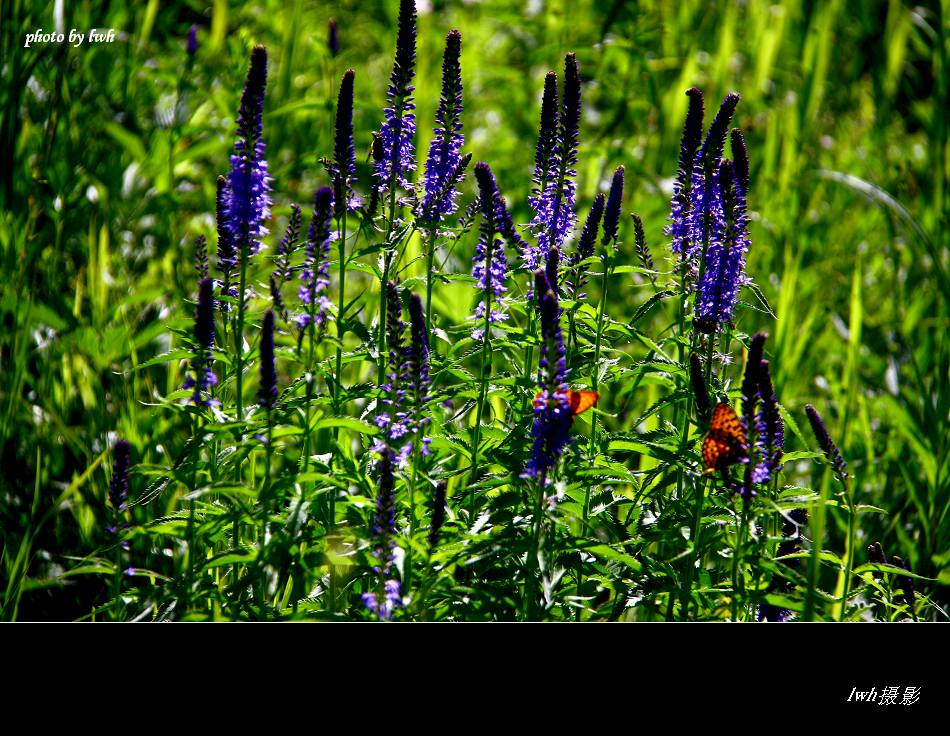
(482, 385)
(340, 329)
(430, 257)
(532, 561)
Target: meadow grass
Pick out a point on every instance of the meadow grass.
(236, 510)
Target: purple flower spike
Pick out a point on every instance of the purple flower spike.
(384, 601)
(333, 37)
(706, 219)
(267, 394)
(552, 409)
(442, 170)
(394, 417)
(227, 256)
(770, 440)
(750, 381)
(680, 206)
(490, 264)
(555, 195)
(119, 483)
(438, 513)
(612, 212)
(585, 249)
(399, 126)
(827, 445)
(723, 274)
(315, 273)
(192, 47)
(203, 359)
(344, 151)
(249, 193)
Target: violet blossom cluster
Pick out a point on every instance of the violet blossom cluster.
(554, 195)
(203, 376)
(761, 420)
(708, 219)
(401, 416)
(490, 264)
(315, 273)
(388, 597)
(395, 162)
(552, 410)
(247, 199)
(444, 167)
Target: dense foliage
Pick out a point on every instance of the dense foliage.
(573, 311)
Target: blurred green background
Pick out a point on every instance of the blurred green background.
(110, 153)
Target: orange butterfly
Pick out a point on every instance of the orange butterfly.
(579, 401)
(725, 442)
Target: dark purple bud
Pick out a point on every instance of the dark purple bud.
(692, 134)
(438, 513)
(344, 150)
(333, 37)
(612, 212)
(700, 392)
(204, 315)
(547, 134)
(203, 358)
(750, 381)
(770, 441)
(643, 250)
(716, 137)
(824, 441)
(267, 393)
(740, 155)
(192, 40)
(571, 115)
(119, 483)
(550, 268)
(585, 248)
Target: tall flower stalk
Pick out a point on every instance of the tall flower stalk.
(342, 172)
(555, 159)
(611, 233)
(248, 200)
(315, 278)
(552, 415)
(490, 266)
(395, 157)
(445, 166)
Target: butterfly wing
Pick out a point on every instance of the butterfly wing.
(581, 401)
(725, 443)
